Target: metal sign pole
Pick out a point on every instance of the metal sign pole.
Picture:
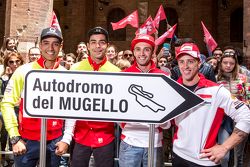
(43, 143)
(151, 145)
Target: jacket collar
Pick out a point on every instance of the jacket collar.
(201, 83)
(95, 65)
(41, 62)
(152, 67)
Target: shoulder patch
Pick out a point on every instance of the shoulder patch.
(238, 104)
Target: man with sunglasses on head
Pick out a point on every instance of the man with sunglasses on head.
(25, 132)
(92, 137)
(195, 139)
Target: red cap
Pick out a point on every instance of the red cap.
(188, 48)
(143, 38)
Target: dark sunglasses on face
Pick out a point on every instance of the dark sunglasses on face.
(16, 62)
(35, 55)
(128, 55)
(217, 54)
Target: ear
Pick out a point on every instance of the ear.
(199, 64)
(61, 44)
(88, 46)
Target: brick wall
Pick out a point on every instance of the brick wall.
(2, 21)
(25, 19)
(76, 18)
(246, 32)
(79, 16)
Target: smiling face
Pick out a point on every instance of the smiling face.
(189, 68)
(14, 62)
(143, 54)
(50, 48)
(97, 47)
(111, 53)
(11, 45)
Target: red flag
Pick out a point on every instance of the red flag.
(208, 39)
(54, 22)
(131, 19)
(167, 34)
(160, 15)
(147, 28)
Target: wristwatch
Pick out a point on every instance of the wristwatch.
(15, 139)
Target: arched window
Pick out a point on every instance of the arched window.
(236, 25)
(116, 15)
(172, 19)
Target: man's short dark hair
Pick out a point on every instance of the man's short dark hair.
(217, 48)
(98, 30)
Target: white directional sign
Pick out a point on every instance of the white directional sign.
(126, 97)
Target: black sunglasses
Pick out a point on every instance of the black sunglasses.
(16, 61)
(128, 55)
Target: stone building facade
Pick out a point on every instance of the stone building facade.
(227, 20)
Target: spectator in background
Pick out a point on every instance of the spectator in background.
(10, 45)
(69, 59)
(119, 55)
(128, 54)
(111, 54)
(229, 76)
(34, 54)
(81, 51)
(162, 63)
(217, 53)
(123, 64)
(243, 68)
(11, 62)
(214, 63)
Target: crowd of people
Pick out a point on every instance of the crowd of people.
(210, 134)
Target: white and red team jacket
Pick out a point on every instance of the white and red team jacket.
(137, 134)
(198, 128)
